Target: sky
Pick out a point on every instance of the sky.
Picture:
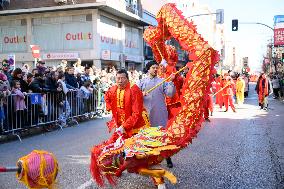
(250, 38)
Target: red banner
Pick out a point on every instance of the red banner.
(279, 36)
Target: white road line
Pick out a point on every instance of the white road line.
(86, 184)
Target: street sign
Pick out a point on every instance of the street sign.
(35, 51)
(220, 16)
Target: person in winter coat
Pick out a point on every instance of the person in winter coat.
(64, 106)
(4, 93)
(18, 76)
(263, 89)
(84, 96)
(70, 78)
(19, 105)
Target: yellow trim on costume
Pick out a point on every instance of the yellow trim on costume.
(120, 98)
(146, 119)
(158, 174)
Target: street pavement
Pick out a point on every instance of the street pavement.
(235, 150)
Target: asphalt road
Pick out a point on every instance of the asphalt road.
(235, 150)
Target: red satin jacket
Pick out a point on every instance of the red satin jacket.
(132, 115)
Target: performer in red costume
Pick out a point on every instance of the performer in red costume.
(219, 95)
(168, 67)
(126, 104)
(228, 93)
(208, 106)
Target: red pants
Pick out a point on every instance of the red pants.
(229, 100)
(208, 107)
(219, 99)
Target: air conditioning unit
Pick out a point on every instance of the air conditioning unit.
(60, 1)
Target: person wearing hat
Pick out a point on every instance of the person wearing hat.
(154, 101)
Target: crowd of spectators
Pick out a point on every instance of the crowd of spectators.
(277, 82)
(20, 82)
(83, 80)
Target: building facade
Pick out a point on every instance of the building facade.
(101, 33)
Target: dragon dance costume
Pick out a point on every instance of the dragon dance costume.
(150, 146)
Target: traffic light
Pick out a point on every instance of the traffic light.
(235, 25)
(282, 58)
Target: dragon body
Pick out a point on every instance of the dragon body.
(150, 146)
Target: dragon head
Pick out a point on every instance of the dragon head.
(106, 161)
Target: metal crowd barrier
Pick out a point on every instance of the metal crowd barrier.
(48, 108)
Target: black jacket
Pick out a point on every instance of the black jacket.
(71, 80)
(38, 86)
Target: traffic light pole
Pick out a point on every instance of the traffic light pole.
(272, 46)
(258, 24)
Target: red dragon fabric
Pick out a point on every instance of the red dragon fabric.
(150, 146)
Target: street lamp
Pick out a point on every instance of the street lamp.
(219, 16)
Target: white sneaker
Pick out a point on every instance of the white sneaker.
(162, 186)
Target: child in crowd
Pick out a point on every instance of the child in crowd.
(64, 106)
(19, 104)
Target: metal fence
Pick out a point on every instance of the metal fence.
(49, 108)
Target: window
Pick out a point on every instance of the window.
(111, 22)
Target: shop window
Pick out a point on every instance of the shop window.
(23, 22)
(79, 18)
(89, 17)
(110, 21)
(148, 53)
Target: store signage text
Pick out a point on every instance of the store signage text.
(60, 56)
(14, 39)
(130, 44)
(78, 36)
(106, 55)
(279, 36)
(110, 40)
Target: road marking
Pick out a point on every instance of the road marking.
(86, 184)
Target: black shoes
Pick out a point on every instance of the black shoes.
(207, 119)
(169, 163)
